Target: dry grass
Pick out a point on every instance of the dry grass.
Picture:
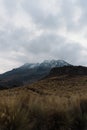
(43, 113)
(51, 104)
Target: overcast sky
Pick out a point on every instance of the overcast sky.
(37, 30)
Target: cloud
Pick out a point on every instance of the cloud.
(32, 31)
(44, 13)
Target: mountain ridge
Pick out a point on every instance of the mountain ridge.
(51, 63)
(29, 73)
(68, 71)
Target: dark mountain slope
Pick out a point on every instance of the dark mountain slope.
(68, 70)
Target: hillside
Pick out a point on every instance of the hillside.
(56, 102)
(67, 80)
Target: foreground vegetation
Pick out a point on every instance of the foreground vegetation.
(52, 104)
(43, 113)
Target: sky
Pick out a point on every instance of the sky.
(37, 30)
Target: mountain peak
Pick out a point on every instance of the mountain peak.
(55, 63)
(46, 63)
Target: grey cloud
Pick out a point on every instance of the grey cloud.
(42, 44)
(68, 11)
(11, 6)
(71, 52)
(58, 48)
(41, 17)
(52, 20)
(83, 5)
(50, 45)
(45, 46)
(47, 19)
(16, 44)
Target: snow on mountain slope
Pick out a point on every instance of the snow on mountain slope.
(46, 63)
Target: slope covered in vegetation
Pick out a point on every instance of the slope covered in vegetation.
(58, 102)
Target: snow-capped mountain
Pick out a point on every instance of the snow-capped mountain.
(54, 63)
(46, 63)
(29, 73)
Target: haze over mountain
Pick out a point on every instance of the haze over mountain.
(29, 73)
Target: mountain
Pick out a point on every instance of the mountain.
(29, 73)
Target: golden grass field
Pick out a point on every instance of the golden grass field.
(56, 103)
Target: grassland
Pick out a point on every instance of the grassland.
(57, 103)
